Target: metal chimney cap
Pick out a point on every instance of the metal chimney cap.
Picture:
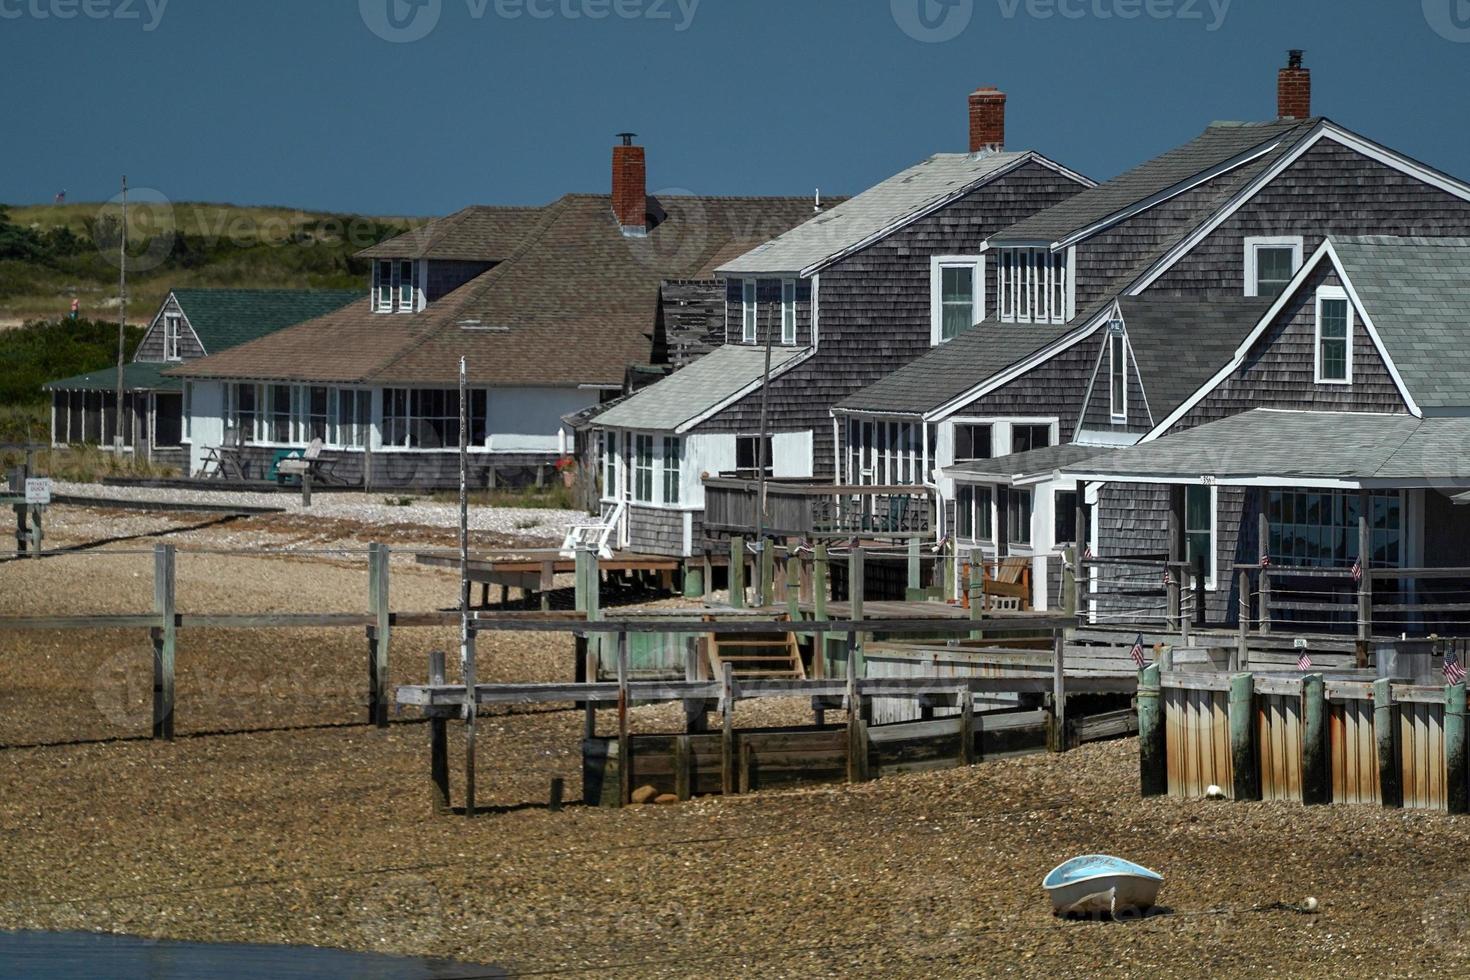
(627, 138)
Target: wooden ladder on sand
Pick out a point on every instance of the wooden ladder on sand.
(757, 655)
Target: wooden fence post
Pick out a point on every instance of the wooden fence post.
(1200, 607)
(1316, 767)
(1263, 614)
(737, 573)
(1069, 581)
(438, 743)
(1152, 763)
(768, 573)
(857, 587)
(1456, 800)
(819, 610)
(1365, 583)
(1244, 763)
(727, 730)
(1390, 789)
(164, 637)
(1059, 692)
(625, 742)
(471, 716)
(976, 590)
(857, 734)
(378, 635)
(916, 577)
(1243, 626)
(967, 725)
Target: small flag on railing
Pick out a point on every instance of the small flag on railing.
(1265, 560)
(939, 548)
(1358, 569)
(1454, 671)
(1304, 661)
(1137, 652)
(1087, 553)
(1168, 577)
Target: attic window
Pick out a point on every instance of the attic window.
(1117, 373)
(956, 295)
(395, 286)
(1334, 348)
(1270, 263)
(1033, 286)
(171, 328)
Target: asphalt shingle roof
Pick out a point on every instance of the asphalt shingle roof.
(137, 376)
(477, 233)
(576, 303)
(876, 209)
(691, 391)
(1006, 469)
(1179, 344)
(225, 318)
(1218, 144)
(1301, 445)
(1417, 292)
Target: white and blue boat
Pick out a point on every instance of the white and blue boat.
(1097, 884)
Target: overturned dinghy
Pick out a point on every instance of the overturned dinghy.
(1099, 884)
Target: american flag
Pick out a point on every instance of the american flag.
(1137, 652)
(1304, 661)
(1454, 671)
(1358, 569)
(1168, 577)
(1265, 560)
(1087, 552)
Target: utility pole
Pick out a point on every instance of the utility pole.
(122, 322)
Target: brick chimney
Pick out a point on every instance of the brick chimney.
(630, 186)
(1294, 89)
(987, 119)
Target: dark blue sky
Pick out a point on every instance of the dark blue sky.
(300, 103)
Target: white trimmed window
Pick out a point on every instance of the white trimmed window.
(1018, 517)
(956, 295)
(187, 406)
(748, 311)
(1199, 529)
(1026, 436)
(643, 469)
(973, 515)
(408, 283)
(1117, 373)
(672, 459)
(1034, 286)
(383, 286)
(428, 418)
(1270, 262)
(788, 311)
(609, 465)
(172, 325)
(353, 418)
(1334, 346)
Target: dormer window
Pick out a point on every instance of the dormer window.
(171, 328)
(1334, 356)
(956, 291)
(395, 286)
(1033, 286)
(788, 311)
(1117, 373)
(747, 311)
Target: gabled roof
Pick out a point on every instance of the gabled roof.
(575, 304)
(477, 234)
(225, 318)
(1220, 147)
(703, 387)
(1416, 291)
(880, 210)
(1178, 344)
(1302, 448)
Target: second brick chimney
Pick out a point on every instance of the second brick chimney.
(630, 186)
(1294, 89)
(987, 119)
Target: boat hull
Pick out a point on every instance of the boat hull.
(1099, 884)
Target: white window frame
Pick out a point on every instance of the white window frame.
(186, 406)
(1331, 293)
(639, 470)
(788, 312)
(172, 327)
(610, 442)
(380, 283)
(1117, 343)
(937, 265)
(410, 303)
(1213, 560)
(677, 473)
(336, 426)
(1253, 244)
(749, 311)
(1034, 285)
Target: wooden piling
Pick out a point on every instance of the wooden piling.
(1390, 787)
(976, 590)
(1244, 764)
(625, 743)
(1365, 583)
(693, 579)
(857, 735)
(471, 715)
(1069, 581)
(767, 573)
(1263, 614)
(857, 580)
(1059, 693)
(438, 743)
(1316, 765)
(915, 573)
(683, 761)
(1456, 799)
(727, 730)
(378, 635)
(1243, 626)
(1152, 763)
(967, 726)
(819, 611)
(737, 573)
(164, 639)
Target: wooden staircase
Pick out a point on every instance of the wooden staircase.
(768, 656)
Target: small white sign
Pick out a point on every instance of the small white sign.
(38, 491)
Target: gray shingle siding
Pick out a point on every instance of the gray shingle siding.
(151, 348)
(768, 312)
(1055, 387)
(1330, 190)
(1279, 370)
(1098, 416)
(654, 531)
(874, 306)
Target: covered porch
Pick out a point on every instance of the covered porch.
(84, 412)
(1331, 523)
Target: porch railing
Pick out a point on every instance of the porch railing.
(811, 508)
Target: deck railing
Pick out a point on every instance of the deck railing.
(800, 508)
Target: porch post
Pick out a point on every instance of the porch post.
(1174, 611)
(1264, 613)
(1365, 556)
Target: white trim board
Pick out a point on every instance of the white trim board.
(1308, 268)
